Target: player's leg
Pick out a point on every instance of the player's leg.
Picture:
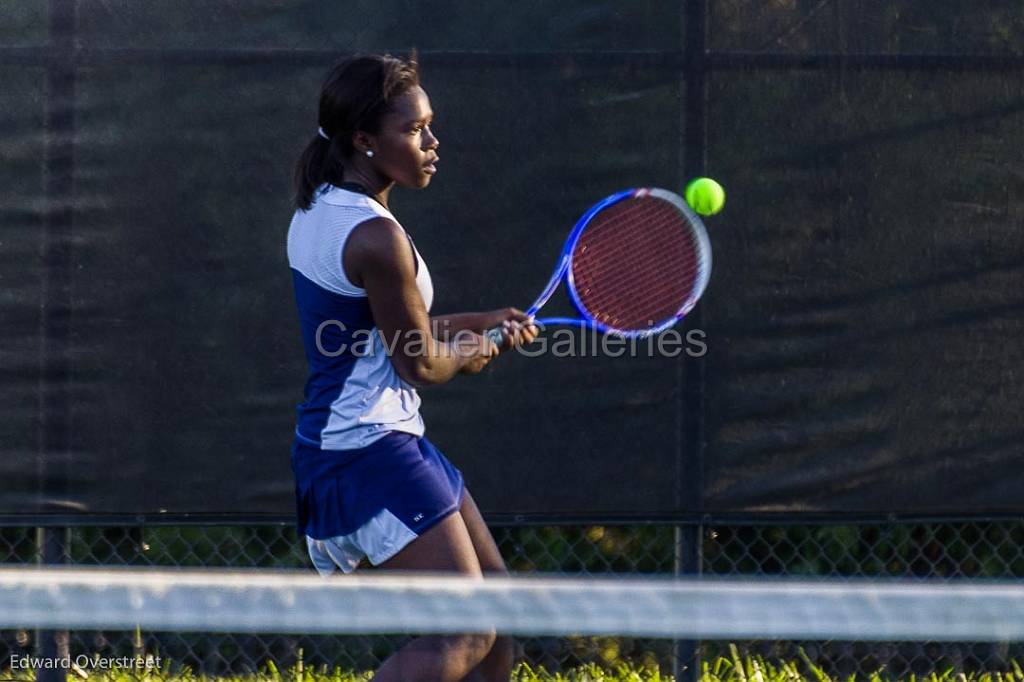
(498, 663)
(446, 547)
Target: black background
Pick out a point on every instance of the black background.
(863, 320)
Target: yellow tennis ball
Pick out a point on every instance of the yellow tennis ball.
(705, 196)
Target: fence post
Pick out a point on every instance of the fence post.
(689, 538)
(688, 558)
(53, 544)
(54, 547)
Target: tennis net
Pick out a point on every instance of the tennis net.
(652, 615)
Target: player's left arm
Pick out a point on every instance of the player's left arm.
(444, 327)
(448, 325)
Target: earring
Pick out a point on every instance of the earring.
(369, 152)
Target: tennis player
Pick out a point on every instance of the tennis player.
(369, 485)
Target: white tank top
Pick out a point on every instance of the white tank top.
(353, 395)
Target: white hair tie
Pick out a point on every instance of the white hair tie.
(321, 133)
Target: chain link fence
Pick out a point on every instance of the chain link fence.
(989, 549)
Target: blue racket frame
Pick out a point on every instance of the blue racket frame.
(564, 271)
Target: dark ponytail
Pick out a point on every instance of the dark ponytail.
(356, 95)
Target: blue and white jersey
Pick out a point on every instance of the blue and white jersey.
(353, 396)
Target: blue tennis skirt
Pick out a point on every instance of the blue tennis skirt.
(373, 501)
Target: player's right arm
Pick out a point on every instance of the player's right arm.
(378, 259)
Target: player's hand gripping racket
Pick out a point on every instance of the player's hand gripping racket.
(634, 265)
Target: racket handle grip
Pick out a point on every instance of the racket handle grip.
(497, 336)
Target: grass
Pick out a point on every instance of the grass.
(732, 668)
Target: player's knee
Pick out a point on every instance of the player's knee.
(480, 645)
(471, 649)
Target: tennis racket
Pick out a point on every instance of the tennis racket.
(634, 265)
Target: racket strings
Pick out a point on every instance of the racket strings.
(659, 301)
(637, 264)
(688, 268)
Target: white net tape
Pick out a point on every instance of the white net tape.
(300, 602)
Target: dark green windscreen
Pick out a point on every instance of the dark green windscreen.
(862, 323)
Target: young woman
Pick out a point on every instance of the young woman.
(369, 485)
